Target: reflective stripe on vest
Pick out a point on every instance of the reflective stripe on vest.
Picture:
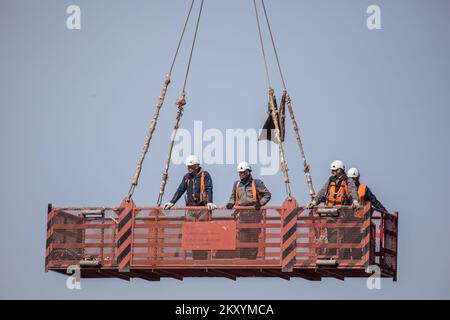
(337, 197)
(254, 192)
(362, 193)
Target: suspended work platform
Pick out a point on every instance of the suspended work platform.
(282, 241)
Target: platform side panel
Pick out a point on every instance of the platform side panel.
(62, 242)
(343, 236)
(125, 235)
(251, 237)
(289, 234)
(390, 243)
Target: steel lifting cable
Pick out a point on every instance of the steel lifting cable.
(180, 103)
(273, 112)
(273, 44)
(262, 43)
(306, 167)
(159, 104)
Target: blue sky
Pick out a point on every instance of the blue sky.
(75, 107)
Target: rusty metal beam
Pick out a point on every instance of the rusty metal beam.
(279, 274)
(144, 275)
(222, 273)
(168, 274)
(308, 275)
(115, 274)
(329, 273)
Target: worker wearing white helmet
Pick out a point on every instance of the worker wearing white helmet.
(248, 191)
(338, 190)
(364, 193)
(197, 184)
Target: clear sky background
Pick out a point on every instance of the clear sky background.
(75, 108)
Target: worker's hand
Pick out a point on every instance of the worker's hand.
(211, 206)
(257, 205)
(168, 205)
(311, 204)
(355, 204)
(229, 206)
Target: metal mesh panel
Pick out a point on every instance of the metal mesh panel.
(390, 242)
(345, 237)
(74, 238)
(64, 236)
(158, 237)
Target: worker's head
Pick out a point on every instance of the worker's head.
(244, 170)
(337, 168)
(192, 163)
(353, 173)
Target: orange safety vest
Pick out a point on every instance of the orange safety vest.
(337, 197)
(203, 195)
(362, 193)
(254, 192)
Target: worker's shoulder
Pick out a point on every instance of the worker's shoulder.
(258, 182)
(206, 173)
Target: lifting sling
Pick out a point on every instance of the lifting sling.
(159, 104)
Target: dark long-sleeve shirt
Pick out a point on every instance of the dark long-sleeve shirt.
(191, 185)
(370, 197)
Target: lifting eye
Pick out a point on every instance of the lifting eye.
(326, 262)
(328, 212)
(93, 214)
(90, 263)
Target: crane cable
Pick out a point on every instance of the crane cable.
(306, 167)
(159, 104)
(274, 112)
(181, 101)
(262, 44)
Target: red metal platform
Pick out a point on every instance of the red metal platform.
(150, 243)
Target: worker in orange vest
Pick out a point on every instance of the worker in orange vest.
(338, 190)
(198, 186)
(248, 192)
(364, 193)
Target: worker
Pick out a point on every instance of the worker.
(354, 235)
(197, 184)
(338, 190)
(248, 191)
(364, 193)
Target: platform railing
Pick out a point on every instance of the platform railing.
(354, 241)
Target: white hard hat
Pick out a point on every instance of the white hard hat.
(337, 164)
(191, 160)
(244, 165)
(353, 173)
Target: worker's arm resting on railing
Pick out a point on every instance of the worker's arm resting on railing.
(209, 192)
(264, 194)
(232, 200)
(320, 197)
(353, 190)
(370, 197)
(180, 191)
